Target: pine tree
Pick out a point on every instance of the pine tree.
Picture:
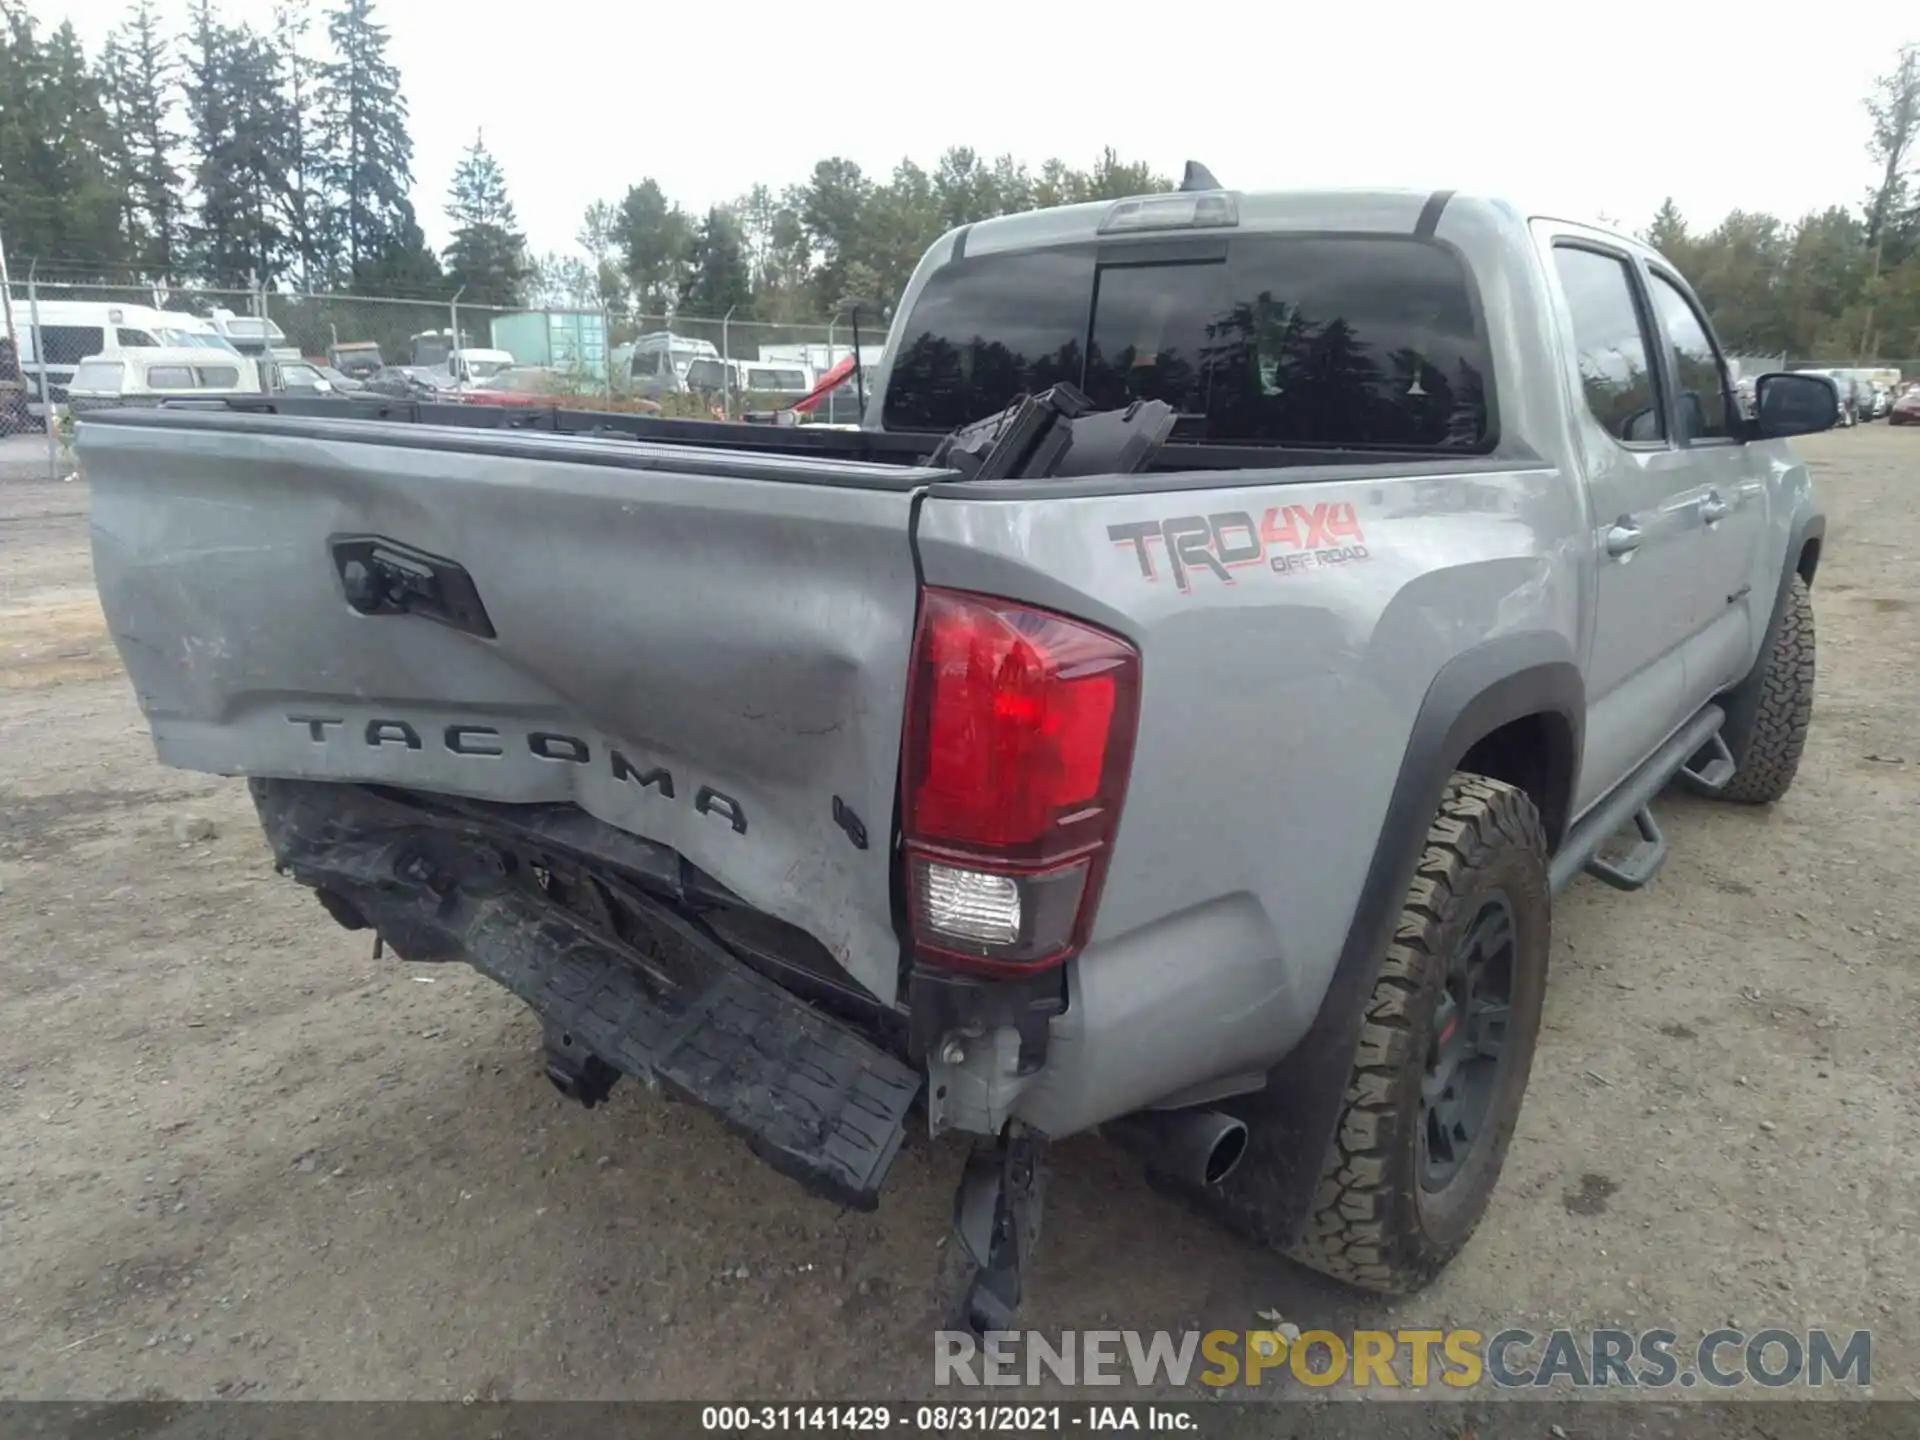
(59, 200)
(487, 259)
(717, 276)
(368, 152)
(300, 199)
(653, 233)
(140, 72)
(216, 219)
(1668, 232)
(404, 265)
(239, 124)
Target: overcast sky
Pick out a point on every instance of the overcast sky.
(1592, 109)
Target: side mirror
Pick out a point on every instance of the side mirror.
(1786, 405)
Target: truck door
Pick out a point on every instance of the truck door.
(1639, 508)
(1727, 494)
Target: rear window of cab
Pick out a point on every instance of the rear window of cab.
(1312, 341)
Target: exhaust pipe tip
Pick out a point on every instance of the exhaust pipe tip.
(1194, 1148)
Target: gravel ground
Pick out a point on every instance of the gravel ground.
(242, 1157)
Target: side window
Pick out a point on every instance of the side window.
(221, 377)
(1615, 368)
(1703, 384)
(646, 362)
(70, 344)
(170, 377)
(135, 339)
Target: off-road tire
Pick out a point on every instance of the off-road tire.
(1370, 1224)
(1772, 755)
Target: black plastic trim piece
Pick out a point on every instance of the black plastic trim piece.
(1429, 220)
(960, 244)
(1474, 694)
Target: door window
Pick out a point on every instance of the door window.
(1611, 340)
(1696, 367)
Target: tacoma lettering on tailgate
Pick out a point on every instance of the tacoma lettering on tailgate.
(1288, 538)
(485, 742)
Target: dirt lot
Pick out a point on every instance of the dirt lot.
(243, 1157)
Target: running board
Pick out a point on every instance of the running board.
(1629, 803)
(1710, 768)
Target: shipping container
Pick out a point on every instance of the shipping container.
(572, 341)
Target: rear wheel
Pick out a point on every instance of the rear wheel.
(1766, 769)
(1444, 1051)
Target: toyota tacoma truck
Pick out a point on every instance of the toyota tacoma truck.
(1170, 713)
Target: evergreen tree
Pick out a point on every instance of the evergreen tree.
(1668, 232)
(140, 73)
(653, 236)
(368, 152)
(239, 123)
(488, 253)
(59, 196)
(300, 197)
(717, 276)
(404, 266)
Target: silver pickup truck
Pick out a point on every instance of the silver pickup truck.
(1171, 712)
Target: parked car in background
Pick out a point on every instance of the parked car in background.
(519, 385)
(659, 364)
(254, 335)
(1906, 410)
(471, 366)
(1842, 394)
(147, 375)
(344, 383)
(432, 347)
(358, 358)
(1882, 400)
(71, 331)
(413, 382)
(534, 385)
(303, 377)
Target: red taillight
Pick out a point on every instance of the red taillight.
(1018, 742)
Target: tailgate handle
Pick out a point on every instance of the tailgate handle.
(384, 577)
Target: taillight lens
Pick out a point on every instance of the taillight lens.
(1019, 738)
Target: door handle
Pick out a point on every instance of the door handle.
(1623, 538)
(1713, 508)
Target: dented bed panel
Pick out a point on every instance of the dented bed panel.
(712, 656)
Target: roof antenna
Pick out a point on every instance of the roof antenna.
(1198, 177)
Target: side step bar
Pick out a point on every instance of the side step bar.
(1630, 802)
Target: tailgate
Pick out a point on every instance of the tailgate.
(705, 648)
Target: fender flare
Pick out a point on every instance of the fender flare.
(1742, 702)
(1474, 694)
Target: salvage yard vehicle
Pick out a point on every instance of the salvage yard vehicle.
(1171, 713)
(148, 375)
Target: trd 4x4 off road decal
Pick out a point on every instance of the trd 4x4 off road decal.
(1288, 538)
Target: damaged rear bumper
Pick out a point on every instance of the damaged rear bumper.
(612, 971)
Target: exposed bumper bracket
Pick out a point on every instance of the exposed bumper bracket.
(996, 1223)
